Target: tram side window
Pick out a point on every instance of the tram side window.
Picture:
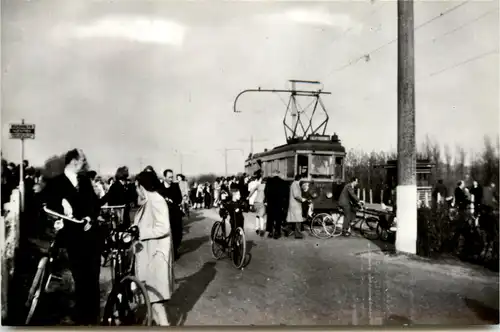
(303, 165)
(290, 167)
(338, 167)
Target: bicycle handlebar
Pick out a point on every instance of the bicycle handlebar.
(112, 207)
(62, 216)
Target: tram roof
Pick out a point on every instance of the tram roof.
(319, 146)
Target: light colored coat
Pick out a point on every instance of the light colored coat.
(295, 204)
(154, 261)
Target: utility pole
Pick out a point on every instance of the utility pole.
(21, 175)
(406, 191)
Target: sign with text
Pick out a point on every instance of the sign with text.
(22, 131)
(324, 138)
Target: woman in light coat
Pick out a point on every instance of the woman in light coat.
(154, 253)
(294, 215)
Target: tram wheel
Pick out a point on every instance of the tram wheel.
(128, 304)
(239, 246)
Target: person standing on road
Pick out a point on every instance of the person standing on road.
(82, 241)
(120, 194)
(294, 215)
(172, 194)
(257, 195)
(154, 262)
(348, 201)
(275, 198)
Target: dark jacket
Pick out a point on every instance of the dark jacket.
(83, 201)
(173, 193)
(118, 194)
(235, 211)
(460, 198)
(276, 193)
(347, 197)
(478, 194)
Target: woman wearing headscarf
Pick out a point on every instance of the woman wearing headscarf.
(154, 253)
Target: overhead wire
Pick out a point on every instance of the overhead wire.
(462, 26)
(367, 55)
(459, 64)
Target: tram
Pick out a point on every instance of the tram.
(308, 150)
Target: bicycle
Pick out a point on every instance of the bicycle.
(111, 221)
(327, 225)
(234, 244)
(126, 286)
(44, 274)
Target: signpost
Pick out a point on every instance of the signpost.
(22, 131)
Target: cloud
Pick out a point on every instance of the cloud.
(133, 28)
(314, 17)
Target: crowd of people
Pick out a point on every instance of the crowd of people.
(161, 205)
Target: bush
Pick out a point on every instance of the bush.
(442, 234)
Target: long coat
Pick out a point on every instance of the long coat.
(295, 205)
(154, 256)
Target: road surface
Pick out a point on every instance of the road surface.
(341, 281)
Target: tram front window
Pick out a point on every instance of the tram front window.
(322, 166)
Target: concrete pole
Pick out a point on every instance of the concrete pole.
(364, 195)
(382, 196)
(406, 191)
(371, 196)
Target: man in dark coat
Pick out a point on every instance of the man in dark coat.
(120, 193)
(477, 192)
(275, 197)
(82, 241)
(440, 189)
(348, 201)
(460, 197)
(172, 194)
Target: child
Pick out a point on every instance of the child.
(235, 209)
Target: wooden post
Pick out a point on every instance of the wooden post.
(406, 239)
(438, 199)
(364, 195)
(426, 199)
(358, 192)
(371, 196)
(382, 196)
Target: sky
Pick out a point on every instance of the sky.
(137, 82)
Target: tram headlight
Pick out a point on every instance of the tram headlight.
(329, 195)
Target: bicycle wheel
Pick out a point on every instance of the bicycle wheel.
(36, 289)
(128, 304)
(218, 239)
(212, 231)
(323, 226)
(160, 317)
(338, 221)
(238, 248)
(382, 233)
(368, 228)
